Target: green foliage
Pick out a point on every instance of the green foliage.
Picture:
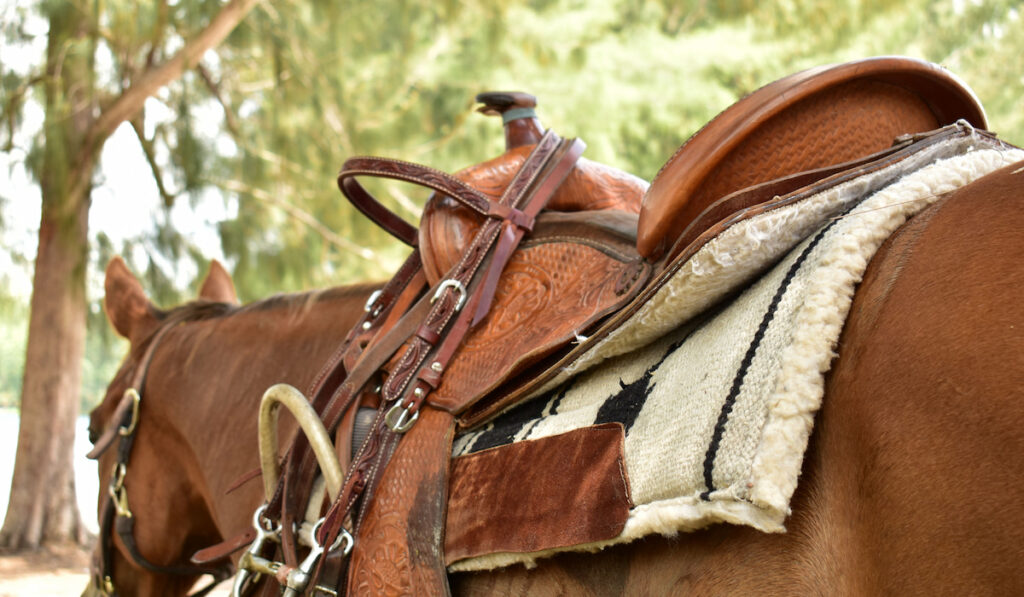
(301, 85)
(13, 329)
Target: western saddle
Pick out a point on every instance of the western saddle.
(518, 266)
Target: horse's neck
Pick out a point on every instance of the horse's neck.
(217, 370)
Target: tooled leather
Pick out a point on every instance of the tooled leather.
(466, 270)
(548, 294)
(446, 228)
(810, 119)
(399, 547)
(516, 196)
(874, 114)
(418, 348)
(484, 410)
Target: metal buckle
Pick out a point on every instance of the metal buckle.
(125, 431)
(450, 283)
(371, 301)
(118, 492)
(396, 420)
(298, 579)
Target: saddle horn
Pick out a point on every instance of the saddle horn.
(522, 127)
(446, 228)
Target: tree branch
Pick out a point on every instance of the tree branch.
(10, 110)
(147, 148)
(131, 101)
(303, 216)
(126, 105)
(229, 115)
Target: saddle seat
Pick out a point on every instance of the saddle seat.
(794, 131)
(807, 121)
(785, 136)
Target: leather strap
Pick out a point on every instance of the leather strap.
(408, 172)
(419, 330)
(373, 455)
(325, 390)
(123, 424)
(301, 465)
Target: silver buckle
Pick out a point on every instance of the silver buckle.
(396, 419)
(455, 284)
(370, 302)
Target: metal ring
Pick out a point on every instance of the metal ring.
(396, 420)
(258, 519)
(343, 535)
(451, 283)
(130, 429)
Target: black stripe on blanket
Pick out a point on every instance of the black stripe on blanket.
(624, 407)
(748, 358)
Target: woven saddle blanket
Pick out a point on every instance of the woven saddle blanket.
(716, 380)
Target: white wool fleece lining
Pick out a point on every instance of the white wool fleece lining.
(754, 458)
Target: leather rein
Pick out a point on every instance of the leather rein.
(117, 515)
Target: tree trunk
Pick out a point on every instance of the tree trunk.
(42, 505)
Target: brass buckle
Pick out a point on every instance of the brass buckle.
(398, 420)
(132, 393)
(118, 492)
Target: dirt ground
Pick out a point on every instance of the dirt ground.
(58, 571)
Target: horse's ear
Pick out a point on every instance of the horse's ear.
(128, 309)
(218, 285)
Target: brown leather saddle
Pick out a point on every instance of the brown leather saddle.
(521, 263)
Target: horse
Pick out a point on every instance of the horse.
(182, 466)
(911, 433)
(907, 485)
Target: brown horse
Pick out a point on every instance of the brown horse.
(909, 485)
(205, 378)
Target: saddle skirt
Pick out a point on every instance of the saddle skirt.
(709, 388)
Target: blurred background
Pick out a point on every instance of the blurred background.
(234, 156)
(236, 159)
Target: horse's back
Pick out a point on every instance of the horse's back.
(923, 414)
(911, 478)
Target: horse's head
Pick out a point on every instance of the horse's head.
(164, 514)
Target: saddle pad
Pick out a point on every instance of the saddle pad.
(717, 410)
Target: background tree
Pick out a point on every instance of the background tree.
(81, 113)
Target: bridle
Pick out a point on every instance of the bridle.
(116, 514)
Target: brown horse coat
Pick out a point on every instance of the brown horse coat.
(196, 435)
(910, 483)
